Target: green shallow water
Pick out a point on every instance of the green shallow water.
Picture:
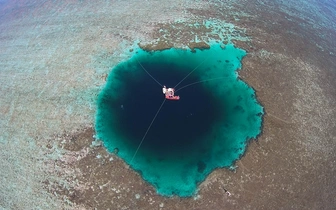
(208, 128)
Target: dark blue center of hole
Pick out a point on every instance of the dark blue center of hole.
(180, 125)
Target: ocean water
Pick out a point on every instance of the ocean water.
(174, 145)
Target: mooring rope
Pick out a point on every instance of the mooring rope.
(191, 71)
(194, 83)
(143, 138)
(149, 73)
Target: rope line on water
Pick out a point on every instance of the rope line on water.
(143, 138)
(194, 83)
(149, 73)
(192, 71)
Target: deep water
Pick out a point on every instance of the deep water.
(209, 127)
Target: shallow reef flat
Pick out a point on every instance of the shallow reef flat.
(56, 56)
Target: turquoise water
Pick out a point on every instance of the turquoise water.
(208, 128)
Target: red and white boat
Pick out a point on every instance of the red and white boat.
(169, 93)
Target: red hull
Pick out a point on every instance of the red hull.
(175, 98)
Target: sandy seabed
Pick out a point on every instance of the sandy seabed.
(54, 59)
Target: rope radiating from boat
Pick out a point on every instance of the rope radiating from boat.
(149, 73)
(191, 72)
(143, 138)
(194, 83)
